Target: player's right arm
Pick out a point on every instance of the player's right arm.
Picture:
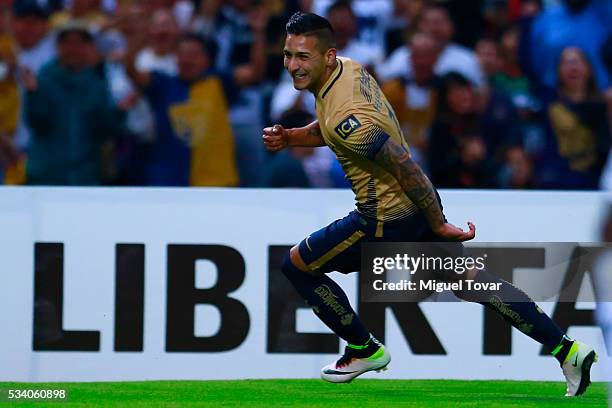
(395, 159)
(276, 137)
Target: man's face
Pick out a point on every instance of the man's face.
(29, 30)
(437, 23)
(488, 55)
(344, 24)
(164, 32)
(304, 61)
(423, 56)
(74, 52)
(461, 99)
(192, 60)
(574, 70)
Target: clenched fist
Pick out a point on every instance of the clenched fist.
(275, 138)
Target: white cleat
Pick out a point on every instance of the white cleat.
(349, 367)
(577, 368)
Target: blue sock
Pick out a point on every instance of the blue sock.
(329, 302)
(516, 308)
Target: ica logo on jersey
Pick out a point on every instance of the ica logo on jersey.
(347, 126)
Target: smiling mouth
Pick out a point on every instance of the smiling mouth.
(299, 76)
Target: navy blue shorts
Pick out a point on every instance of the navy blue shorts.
(337, 247)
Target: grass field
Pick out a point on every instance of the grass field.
(315, 393)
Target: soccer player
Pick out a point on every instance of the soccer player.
(395, 202)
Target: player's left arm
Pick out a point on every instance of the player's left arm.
(395, 159)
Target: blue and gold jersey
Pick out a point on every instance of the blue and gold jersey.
(356, 120)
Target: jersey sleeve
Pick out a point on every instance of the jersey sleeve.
(359, 133)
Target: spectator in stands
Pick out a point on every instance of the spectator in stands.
(35, 47)
(9, 105)
(402, 24)
(435, 21)
(31, 32)
(71, 115)
(204, 21)
(160, 55)
(240, 35)
(245, 56)
(279, 14)
(487, 51)
(372, 19)
(129, 22)
(578, 128)
(194, 144)
(344, 22)
(500, 62)
(517, 171)
(506, 83)
(414, 99)
(468, 18)
(305, 167)
(496, 16)
(579, 23)
(471, 138)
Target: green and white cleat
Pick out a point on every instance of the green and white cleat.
(355, 362)
(577, 368)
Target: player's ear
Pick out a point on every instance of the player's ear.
(331, 56)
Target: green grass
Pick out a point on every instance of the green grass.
(315, 393)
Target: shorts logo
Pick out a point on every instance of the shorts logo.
(347, 126)
(307, 244)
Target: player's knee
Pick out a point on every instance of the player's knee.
(293, 264)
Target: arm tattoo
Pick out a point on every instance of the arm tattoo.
(312, 135)
(396, 160)
(314, 131)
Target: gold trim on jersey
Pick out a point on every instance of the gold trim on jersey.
(330, 82)
(379, 229)
(343, 246)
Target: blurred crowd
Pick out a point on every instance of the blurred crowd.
(490, 93)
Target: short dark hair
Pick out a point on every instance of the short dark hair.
(455, 78)
(310, 24)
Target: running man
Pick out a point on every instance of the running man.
(395, 202)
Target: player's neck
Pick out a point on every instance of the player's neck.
(329, 70)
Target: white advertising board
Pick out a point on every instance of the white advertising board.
(136, 284)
